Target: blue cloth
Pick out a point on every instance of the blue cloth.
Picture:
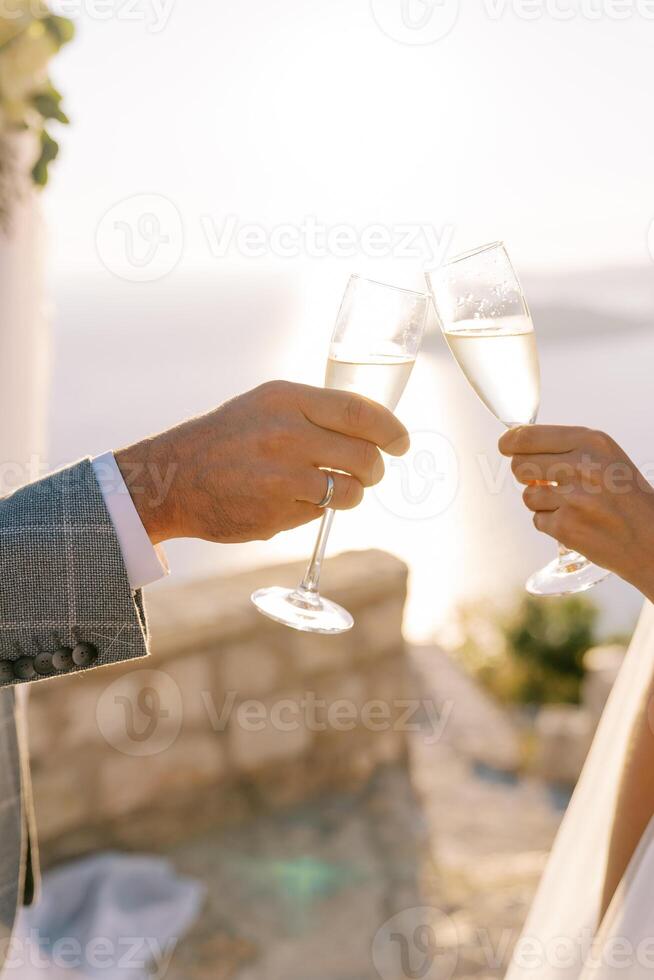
(114, 916)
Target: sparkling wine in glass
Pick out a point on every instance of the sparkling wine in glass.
(373, 349)
(486, 322)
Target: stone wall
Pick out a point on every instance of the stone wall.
(231, 714)
(563, 733)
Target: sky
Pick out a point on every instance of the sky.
(535, 131)
(229, 165)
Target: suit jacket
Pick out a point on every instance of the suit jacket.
(65, 605)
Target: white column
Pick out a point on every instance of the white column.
(24, 337)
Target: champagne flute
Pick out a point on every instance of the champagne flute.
(373, 349)
(486, 322)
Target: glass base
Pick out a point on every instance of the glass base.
(302, 610)
(565, 576)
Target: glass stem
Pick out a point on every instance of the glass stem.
(568, 557)
(312, 574)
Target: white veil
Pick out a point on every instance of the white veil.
(564, 916)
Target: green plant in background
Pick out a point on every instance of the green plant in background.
(533, 655)
(30, 35)
(550, 638)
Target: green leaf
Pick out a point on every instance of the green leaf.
(49, 151)
(48, 104)
(61, 28)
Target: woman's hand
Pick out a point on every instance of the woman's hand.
(600, 505)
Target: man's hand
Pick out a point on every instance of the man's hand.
(250, 468)
(601, 505)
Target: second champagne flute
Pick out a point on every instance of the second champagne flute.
(486, 322)
(373, 349)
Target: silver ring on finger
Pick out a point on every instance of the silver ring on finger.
(327, 499)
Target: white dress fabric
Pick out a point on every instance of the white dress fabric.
(560, 940)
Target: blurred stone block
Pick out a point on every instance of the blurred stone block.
(468, 718)
(230, 713)
(249, 668)
(264, 732)
(563, 734)
(128, 783)
(602, 665)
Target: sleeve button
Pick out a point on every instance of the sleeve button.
(84, 654)
(43, 664)
(24, 669)
(62, 659)
(6, 671)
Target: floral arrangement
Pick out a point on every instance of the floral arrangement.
(30, 34)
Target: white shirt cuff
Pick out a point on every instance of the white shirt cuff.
(144, 562)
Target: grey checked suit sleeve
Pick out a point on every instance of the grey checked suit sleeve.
(65, 598)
